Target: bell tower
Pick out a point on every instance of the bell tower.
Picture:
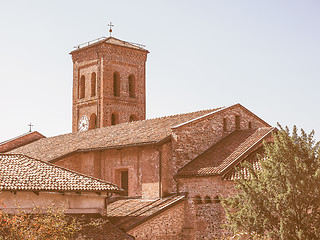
(108, 83)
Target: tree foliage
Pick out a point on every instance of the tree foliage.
(282, 200)
(48, 223)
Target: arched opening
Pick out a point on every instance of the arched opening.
(207, 199)
(114, 118)
(237, 122)
(82, 87)
(116, 84)
(216, 199)
(132, 86)
(133, 118)
(93, 84)
(225, 124)
(197, 200)
(93, 121)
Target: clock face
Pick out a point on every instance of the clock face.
(83, 124)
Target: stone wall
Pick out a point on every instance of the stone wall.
(167, 225)
(204, 219)
(193, 138)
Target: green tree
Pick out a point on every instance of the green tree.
(282, 200)
(47, 223)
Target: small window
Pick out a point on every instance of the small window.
(225, 124)
(82, 87)
(249, 125)
(114, 118)
(216, 199)
(93, 84)
(132, 86)
(207, 199)
(197, 199)
(133, 118)
(93, 121)
(125, 182)
(237, 122)
(116, 84)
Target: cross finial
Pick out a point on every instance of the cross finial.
(110, 29)
(30, 125)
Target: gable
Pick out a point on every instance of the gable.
(226, 153)
(19, 141)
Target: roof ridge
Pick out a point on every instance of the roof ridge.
(180, 114)
(22, 135)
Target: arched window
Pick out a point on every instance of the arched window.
(82, 87)
(207, 199)
(114, 118)
(197, 199)
(216, 199)
(93, 84)
(132, 86)
(93, 121)
(237, 121)
(133, 118)
(116, 84)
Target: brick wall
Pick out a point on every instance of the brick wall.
(204, 220)
(142, 164)
(167, 225)
(104, 60)
(190, 140)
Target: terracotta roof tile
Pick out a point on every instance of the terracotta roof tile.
(22, 173)
(131, 133)
(224, 153)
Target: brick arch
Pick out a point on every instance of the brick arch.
(114, 118)
(93, 121)
(132, 86)
(216, 199)
(197, 199)
(207, 199)
(133, 117)
(93, 84)
(82, 87)
(116, 84)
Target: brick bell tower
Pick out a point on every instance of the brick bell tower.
(108, 83)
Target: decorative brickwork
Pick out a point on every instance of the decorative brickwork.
(108, 78)
(203, 220)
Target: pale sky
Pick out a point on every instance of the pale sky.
(264, 55)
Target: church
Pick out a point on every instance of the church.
(168, 174)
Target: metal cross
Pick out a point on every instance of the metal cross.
(30, 125)
(110, 29)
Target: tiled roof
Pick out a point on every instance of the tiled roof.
(121, 135)
(22, 173)
(19, 141)
(225, 153)
(238, 171)
(128, 213)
